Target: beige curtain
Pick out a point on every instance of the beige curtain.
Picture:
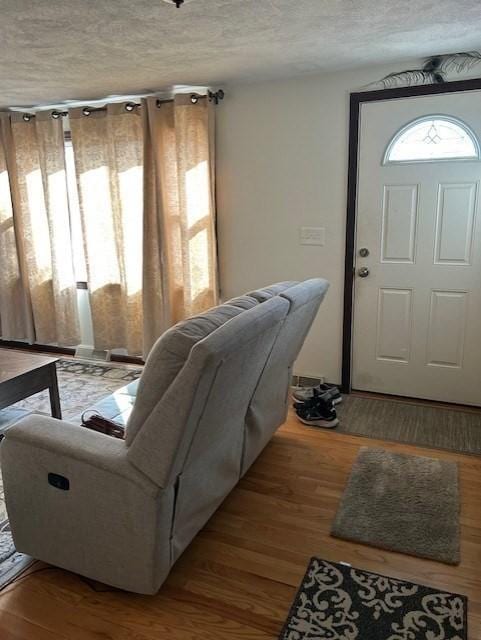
(37, 283)
(108, 159)
(179, 248)
(15, 310)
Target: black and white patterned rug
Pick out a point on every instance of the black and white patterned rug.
(338, 602)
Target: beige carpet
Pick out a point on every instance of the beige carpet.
(418, 424)
(403, 503)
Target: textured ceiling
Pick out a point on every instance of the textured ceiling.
(56, 50)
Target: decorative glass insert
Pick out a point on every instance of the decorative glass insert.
(433, 138)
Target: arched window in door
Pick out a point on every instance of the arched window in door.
(433, 138)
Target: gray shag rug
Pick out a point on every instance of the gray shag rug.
(409, 504)
(339, 602)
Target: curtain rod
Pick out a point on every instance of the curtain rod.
(213, 96)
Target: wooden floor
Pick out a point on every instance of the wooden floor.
(238, 578)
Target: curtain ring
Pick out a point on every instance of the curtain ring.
(86, 111)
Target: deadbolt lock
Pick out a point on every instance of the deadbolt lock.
(364, 252)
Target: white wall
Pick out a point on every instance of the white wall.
(282, 163)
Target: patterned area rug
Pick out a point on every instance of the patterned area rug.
(81, 384)
(339, 602)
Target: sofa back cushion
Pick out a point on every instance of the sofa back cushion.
(261, 295)
(268, 407)
(166, 359)
(208, 399)
(194, 437)
(244, 302)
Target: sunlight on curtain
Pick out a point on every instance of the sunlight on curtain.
(199, 276)
(5, 202)
(130, 182)
(80, 269)
(6, 217)
(180, 258)
(197, 196)
(40, 258)
(107, 147)
(197, 193)
(62, 239)
(98, 228)
(50, 137)
(33, 246)
(12, 303)
(36, 166)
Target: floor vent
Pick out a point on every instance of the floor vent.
(305, 381)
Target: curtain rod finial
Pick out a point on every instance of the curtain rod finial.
(216, 96)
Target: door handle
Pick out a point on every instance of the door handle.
(363, 272)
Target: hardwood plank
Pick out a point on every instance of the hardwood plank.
(238, 578)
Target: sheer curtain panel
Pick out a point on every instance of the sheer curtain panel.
(37, 283)
(179, 246)
(107, 147)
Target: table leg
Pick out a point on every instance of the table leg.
(54, 395)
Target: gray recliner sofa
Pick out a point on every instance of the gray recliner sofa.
(213, 391)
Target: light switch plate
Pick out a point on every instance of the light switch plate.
(312, 235)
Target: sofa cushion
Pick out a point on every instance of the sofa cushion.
(216, 383)
(268, 407)
(244, 302)
(168, 356)
(273, 290)
(303, 293)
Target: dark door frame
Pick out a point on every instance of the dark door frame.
(356, 100)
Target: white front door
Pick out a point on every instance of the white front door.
(417, 311)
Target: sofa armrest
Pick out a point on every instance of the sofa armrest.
(76, 444)
(99, 517)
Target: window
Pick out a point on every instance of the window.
(433, 138)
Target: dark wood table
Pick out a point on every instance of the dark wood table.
(22, 374)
